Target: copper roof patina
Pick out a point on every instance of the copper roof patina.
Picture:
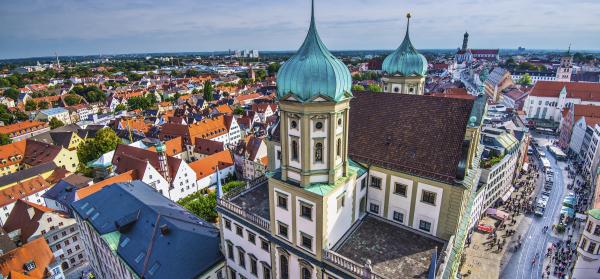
(313, 71)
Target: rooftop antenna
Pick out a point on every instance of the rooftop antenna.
(569, 50)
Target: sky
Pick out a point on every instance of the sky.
(30, 28)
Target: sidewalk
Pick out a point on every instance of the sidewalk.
(485, 261)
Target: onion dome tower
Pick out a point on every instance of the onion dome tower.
(313, 71)
(404, 70)
(314, 92)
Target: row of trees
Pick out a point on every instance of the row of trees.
(371, 87)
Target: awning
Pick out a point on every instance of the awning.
(507, 195)
(567, 211)
(499, 214)
(580, 216)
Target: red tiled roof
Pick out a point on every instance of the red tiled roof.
(484, 51)
(207, 165)
(576, 90)
(22, 189)
(37, 152)
(123, 177)
(36, 250)
(23, 127)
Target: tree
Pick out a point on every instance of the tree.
(525, 79)
(43, 105)
(273, 68)
(120, 107)
(358, 87)
(72, 99)
(12, 93)
(208, 91)
(106, 140)
(374, 88)
(204, 205)
(260, 74)
(5, 139)
(238, 110)
(55, 123)
(21, 116)
(30, 105)
(138, 102)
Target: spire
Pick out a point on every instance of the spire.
(569, 50)
(407, 23)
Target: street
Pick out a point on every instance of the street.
(535, 241)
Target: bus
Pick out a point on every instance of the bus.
(546, 164)
(540, 206)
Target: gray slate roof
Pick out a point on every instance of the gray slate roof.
(156, 237)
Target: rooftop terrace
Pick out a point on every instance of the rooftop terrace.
(255, 200)
(394, 251)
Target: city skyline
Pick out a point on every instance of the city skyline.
(41, 28)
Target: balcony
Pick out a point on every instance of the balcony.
(250, 202)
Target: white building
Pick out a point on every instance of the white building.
(497, 175)
(587, 264)
(547, 99)
(29, 221)
(59, 113)
(168, 175)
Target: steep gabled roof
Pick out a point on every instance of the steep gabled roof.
(20, 219)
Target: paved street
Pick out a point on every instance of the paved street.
(535, 241)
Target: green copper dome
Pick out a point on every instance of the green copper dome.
(313, 71)
(405, 60)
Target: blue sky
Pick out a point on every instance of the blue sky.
(76, 27)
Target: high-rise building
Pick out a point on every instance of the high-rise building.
(405, 69)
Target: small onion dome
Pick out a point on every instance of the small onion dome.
(405, 60)
(313, 71)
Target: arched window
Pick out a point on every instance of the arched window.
(319, 152)
(396, 89)
(306, 273)
(411, 90)
(339, 147)
(283, 267)
(295, 150)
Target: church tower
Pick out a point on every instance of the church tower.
(313, 87)
(465, 41)
(565, 70)
(405, 69)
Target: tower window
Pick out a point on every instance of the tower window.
(396, 89)
(339, 147)
(319, 125)
(319, 152)
(411, 90)
(339, 122)
(294, 124)
(294, 150)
